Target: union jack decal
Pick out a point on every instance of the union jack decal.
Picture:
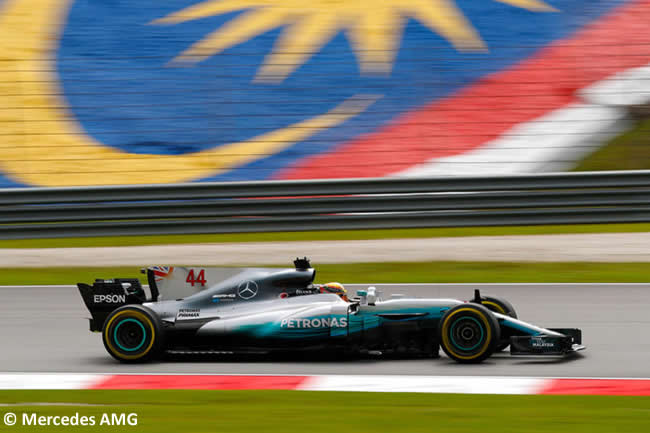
(162, 272)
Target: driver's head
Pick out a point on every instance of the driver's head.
(336, 288)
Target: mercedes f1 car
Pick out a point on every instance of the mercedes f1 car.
(192, 310)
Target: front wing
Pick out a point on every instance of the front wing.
(562, 342)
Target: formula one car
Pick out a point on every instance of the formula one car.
(252, 310)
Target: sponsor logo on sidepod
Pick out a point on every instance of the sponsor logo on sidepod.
(188, 313)
(315, 323)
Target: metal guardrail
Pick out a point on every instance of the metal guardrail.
(229, 207)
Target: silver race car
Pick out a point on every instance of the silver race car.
(195, 310)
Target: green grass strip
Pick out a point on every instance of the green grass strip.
(324, 235)
(340, 412)
(628, 151)
(414, 272)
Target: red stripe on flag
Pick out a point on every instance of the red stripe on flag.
(488, 108)
(199, 382)
(597, 387)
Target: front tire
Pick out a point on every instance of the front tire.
(132, 334)
(468, 333)
(500, 305)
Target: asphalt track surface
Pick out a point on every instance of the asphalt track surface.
(43, 329)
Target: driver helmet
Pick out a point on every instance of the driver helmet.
(336, 288)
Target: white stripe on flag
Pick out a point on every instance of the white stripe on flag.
(556, 140)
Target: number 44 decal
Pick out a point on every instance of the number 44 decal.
(200, 277)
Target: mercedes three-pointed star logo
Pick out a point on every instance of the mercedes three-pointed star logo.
(247, 289)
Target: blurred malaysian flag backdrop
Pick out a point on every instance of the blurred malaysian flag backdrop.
(134, 91)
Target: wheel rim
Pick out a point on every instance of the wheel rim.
(466, 333)
(129, 335)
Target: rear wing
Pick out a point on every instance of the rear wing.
(104, 296)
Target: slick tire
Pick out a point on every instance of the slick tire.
(133, 333)
(469, 333)
(500, 305)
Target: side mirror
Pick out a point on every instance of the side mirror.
(372, 295)
(363, 297)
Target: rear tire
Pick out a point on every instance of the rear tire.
(468, 333)
(132, 333)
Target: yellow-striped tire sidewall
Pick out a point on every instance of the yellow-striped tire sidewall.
(125, 314)
(445, 333)
(498, 308)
